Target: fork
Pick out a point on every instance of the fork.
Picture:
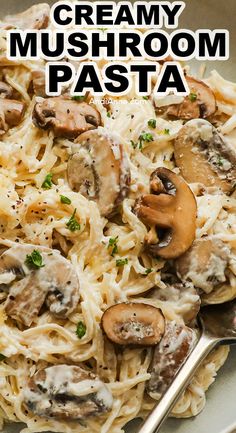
(218, 326)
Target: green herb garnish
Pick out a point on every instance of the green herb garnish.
(145, 137)
(34, 260)
(65, 200)
(166, 131)
(2, 357)
(72, 224)
(109, 114)
(80, 330)
(148, 271)
(121, 262)
(152, 123)
(113, 243)
(145, 98)
(78, 98)
(47, 183)
(192, 97)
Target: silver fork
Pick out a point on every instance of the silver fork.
(218, 326)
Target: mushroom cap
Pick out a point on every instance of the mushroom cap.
(66, 392)
(204, 264)
(133, 324)
(172, 208)
(203, 106)
(66, 117)
(99, 170)
(203, 156)
(169, 355)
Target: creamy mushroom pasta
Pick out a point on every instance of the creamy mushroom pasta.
(117, 222)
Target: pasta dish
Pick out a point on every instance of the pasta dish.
(117, 222)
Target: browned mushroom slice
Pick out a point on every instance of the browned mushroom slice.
(199, 103)
(11, 114)
(204, 156)
(182, 297)
(55, 282)
(204, 264)
(67, 118)
(66, 392)
(25, 300)
(6, 91)
(169, 355)
(99, 170)
(171, 209)
(133, 323)
(38, 82)
(36, 17)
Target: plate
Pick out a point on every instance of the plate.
(219, 414)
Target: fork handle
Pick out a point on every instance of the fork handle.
(160, 412)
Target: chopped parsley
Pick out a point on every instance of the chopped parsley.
(80, 330)
(166, 131)
(121, 262)
(109, 114)
(72, 224)
(148, 271)
(152, 123)
(144, 137)
(65, 200)
(220, 161)
(113, 244)
(192, 96)
(78, 98)
(145, 98)
(2, 357)
(34, 260)
(47, 183)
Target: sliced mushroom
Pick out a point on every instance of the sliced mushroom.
(169, 355)
(66, 117)
(6, 91)
(133, 324)
(204, 264)
(199, 103)
(66, 392)
(38, 82)
(204, 156)
(99, 170)
(182, 297)
(36, 17)
(172, 208)
(11, 114)
(56, 283)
